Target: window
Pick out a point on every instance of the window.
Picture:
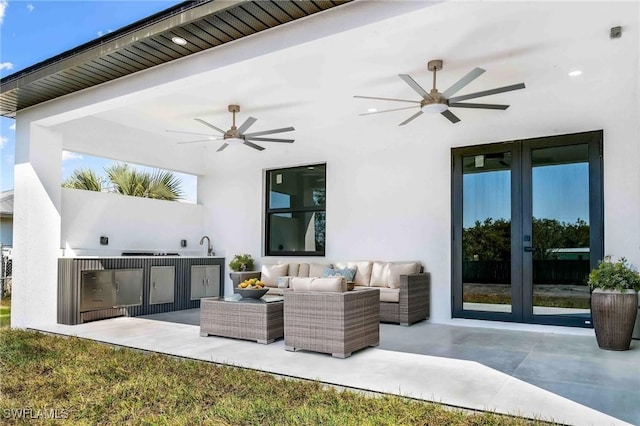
(82, 171)
(295, 211)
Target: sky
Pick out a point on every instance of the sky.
(559, 192)
(34, 31)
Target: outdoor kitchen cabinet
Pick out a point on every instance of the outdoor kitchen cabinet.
(205, 281)
(103, 289)
(128, 287)
(162, 284)
(95, 288)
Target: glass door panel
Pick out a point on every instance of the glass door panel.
(486, 233)
(560, 230)
(527, 229)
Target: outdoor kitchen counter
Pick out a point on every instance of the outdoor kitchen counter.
(189, 277)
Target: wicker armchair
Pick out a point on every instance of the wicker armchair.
(338, 323)
(414, 302)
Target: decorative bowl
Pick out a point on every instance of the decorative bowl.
(251, 293)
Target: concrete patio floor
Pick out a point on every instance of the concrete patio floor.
(559, 377)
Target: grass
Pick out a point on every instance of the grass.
(83, 382)
(547, 301)
(5, 312)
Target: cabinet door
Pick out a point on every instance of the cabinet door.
(212, 281)
(162, 284)
(128, 286)
(96, 290)
(198, 281)
(205, 281)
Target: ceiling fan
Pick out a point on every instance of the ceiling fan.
(236, 135)
(436, 102)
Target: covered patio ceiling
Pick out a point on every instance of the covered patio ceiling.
(305, 73)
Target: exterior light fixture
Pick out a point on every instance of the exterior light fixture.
(234, 141)
(179, 41)
(434, 108)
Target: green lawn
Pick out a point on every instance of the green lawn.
(83, 382)
(5, 312)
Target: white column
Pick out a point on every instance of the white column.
(36, 232)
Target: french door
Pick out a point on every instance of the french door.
(527, 229)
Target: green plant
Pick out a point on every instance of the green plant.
(610, 275)
(90, 383)
(241, 262)
(85, 179)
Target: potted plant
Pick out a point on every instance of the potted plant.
(241, 265)
(241, 262)
(614, 303)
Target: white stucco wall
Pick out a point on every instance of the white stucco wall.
(388, 187)
(130, 223)
(36, 230)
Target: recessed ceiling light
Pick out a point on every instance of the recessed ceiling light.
(179, 41)
(372, 110)
(575, 73)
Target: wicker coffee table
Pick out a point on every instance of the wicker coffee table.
(250, 319)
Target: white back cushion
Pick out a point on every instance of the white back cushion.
(269, 273)
(380, 274)
(397, 269)
(363, 271)
(316, 269)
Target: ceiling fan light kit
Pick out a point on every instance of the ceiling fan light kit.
(437, 102)
(434, 108)
(236, 135)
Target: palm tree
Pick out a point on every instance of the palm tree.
(85, 179)
(159, 184)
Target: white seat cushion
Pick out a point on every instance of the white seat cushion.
(389, 295)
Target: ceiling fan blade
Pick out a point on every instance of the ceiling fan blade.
(268, 132)
(202, 140)
(387, 110)
(254, 146)
(223, 146)
(247, 123)
(481, 106)
(415, 86)
(450, 116)
(386, 99)
(199, 120)
(487, 92)
(416, 115)
(472, 75)
(273, 140)
(188, 133)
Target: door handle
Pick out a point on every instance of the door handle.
(118, 286)
(529, 249)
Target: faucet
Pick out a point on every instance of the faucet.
(209, 246)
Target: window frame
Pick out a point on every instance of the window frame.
(269, 212)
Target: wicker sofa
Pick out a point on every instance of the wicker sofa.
(404, 289)
(320, 315)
